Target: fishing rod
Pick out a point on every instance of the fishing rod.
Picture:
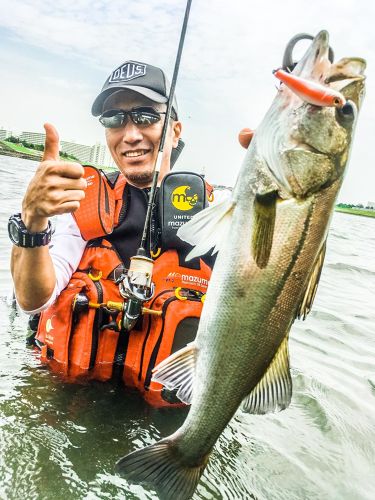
(141, 250)
(137, 286)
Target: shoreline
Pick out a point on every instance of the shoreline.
(354, 211)
(37, 157)
(17, 154)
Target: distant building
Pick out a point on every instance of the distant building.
(97, 155)
(80, 151)
(4, 134)
(100, 155)
(371, 204)
(32, 137)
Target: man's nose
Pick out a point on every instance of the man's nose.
(131, 133)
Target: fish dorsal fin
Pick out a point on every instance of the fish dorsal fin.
(264, 225)
(274, 391)
(312, 286)
(208, 228)
(177, 372)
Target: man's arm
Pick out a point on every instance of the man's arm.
(57, 188)
(33, 276)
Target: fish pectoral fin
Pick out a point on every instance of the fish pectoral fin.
(263, 228)
(274, 391)
(312, 285)
(208, 229)
(177, 372)
(159, 466)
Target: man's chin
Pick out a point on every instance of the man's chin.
(139, 179)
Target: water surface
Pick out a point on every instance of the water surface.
(60, 441)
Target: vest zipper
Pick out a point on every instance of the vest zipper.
(95, 328)
(157, 345)
(106, 199)
(155, 351)
(120, 355)
(148, 331)
(106, 204)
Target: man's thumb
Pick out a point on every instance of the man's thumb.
(52, 143)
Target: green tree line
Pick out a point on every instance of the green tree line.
(349, 205)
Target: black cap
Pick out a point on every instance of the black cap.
(145, 79)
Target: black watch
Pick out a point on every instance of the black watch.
(21, 237)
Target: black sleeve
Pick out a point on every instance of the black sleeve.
(209, 259)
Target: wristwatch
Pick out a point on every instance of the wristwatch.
(21, 237)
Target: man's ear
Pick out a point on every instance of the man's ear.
(177, 126)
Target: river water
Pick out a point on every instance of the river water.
(60, 441)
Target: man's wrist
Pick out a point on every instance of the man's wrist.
(34, 224)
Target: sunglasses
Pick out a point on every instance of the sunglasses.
(143, 116)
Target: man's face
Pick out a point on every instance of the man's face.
(135, 148)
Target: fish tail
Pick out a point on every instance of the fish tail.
(159, 467)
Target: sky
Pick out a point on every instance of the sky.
(55, 56)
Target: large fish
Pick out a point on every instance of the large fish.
(271, 238)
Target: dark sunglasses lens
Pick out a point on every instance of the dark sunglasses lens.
(145, 116)
(112, 119)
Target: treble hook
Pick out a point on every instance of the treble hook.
(288, 63)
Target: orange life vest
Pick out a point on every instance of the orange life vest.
(86, 342)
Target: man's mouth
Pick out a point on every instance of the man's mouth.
(135, 153)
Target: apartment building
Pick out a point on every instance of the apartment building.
(97, 155)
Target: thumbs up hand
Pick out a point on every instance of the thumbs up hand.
(56, 188)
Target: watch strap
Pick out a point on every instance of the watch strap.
(27, 239)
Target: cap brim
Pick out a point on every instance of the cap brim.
(97, 107)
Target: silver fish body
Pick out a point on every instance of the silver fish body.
(271, 236)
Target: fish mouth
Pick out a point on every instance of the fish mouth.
(315, 63)
(273, 137)
(293, 126)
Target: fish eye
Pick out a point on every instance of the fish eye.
(347, 112)
(347, 109)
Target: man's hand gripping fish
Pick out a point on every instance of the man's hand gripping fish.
(271, 239)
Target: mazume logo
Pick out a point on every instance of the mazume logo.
(187, 279)
(182, 199)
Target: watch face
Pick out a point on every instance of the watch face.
(13, 233)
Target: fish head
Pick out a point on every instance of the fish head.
(306, 147)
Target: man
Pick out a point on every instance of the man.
(53, 272)
(59, 186)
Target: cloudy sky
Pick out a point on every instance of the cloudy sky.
(55, 55)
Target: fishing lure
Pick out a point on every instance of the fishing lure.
(310, 91)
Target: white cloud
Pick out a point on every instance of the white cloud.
(72, 86)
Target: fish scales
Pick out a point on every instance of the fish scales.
(278, 301)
